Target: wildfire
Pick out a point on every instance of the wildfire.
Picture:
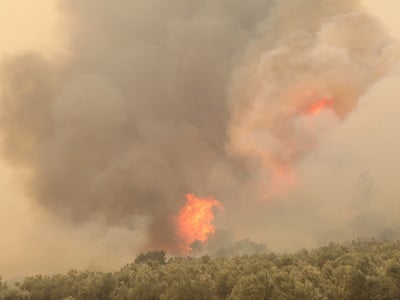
(195, 220)
(296, 137)
(318, 106)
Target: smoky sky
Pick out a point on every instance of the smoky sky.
(156, 99)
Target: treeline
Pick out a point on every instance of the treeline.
(356, 270)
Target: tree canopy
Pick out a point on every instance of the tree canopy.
(355, 270)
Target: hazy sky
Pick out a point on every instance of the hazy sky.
(26, 24)
(387, 11)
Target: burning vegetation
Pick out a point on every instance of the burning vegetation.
(195, 220)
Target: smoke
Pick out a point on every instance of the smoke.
(157, 99)
(317, 169)
(135, 118)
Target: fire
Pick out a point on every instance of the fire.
(318, 106)
(195, 220)
(297, 134)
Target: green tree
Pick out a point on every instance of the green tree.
(159, 256)
(249, 287)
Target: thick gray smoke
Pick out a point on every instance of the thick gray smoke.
(160, 98)
(136, 117)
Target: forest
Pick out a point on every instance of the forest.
(360, 269)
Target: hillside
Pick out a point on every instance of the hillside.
(355, 270)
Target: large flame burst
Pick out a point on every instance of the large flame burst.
(195, 220)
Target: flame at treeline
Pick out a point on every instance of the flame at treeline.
(195, 220)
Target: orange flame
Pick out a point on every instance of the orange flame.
(294, 144)
(318, 106)
(195, 220)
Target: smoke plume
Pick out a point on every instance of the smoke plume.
(284, 111)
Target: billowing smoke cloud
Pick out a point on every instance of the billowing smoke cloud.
(294, 101)
(136, 117)
(160, 98)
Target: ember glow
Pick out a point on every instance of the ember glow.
(286, 174)
(296, 137)
(195, 220)
(319, 106)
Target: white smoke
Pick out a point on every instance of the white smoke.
(348, 58)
